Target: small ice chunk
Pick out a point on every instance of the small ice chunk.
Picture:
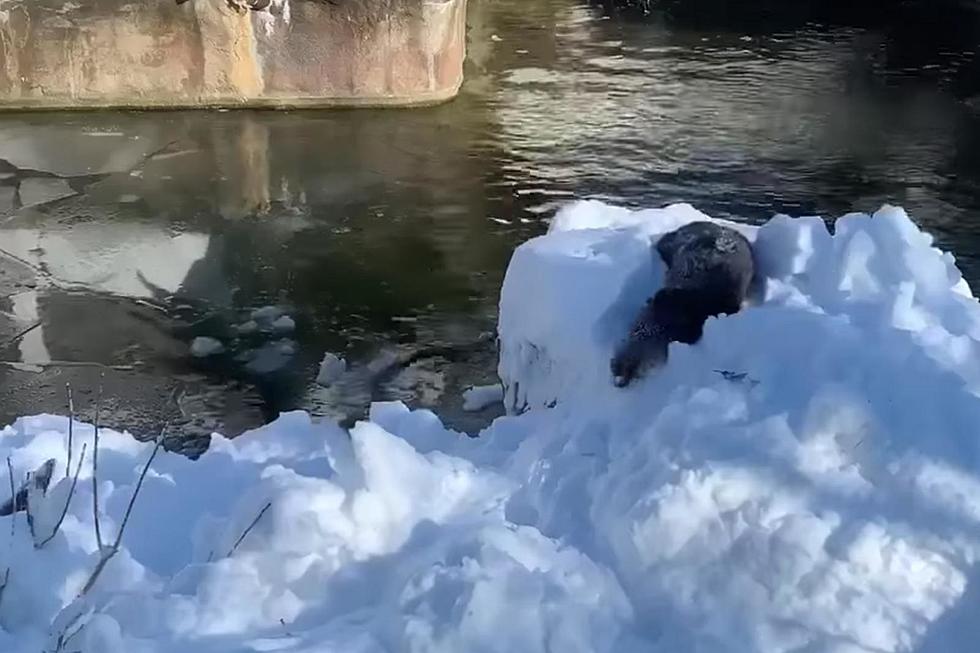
(271, 357)
(129, 198)
(480, 396)
(331, 367)
(246, 328)
(204, 346)
(267, 314)
(284, 323)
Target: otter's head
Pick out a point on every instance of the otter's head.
(636, 356)
(673, 315)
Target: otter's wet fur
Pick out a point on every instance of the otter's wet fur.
(710, 268)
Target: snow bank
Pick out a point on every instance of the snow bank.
(804, 479)
(481, 396)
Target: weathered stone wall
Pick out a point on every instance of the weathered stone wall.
(156, 54)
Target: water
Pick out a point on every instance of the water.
(127, 235)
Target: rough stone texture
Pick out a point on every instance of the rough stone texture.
(134, 53)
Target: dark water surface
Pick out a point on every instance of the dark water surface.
(125, 236)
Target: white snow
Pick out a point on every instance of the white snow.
(246, 328)
(481, 396)
(331, 369)
(270, 357)
(284, 324)
(267, 314)
(805, 479)
(204, 346)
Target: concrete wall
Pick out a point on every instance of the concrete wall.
(157, 54)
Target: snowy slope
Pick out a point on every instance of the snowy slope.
(805, 479)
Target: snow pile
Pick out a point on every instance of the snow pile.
(366, 544)
(331, 369)
(481, 396)
(204, 346)
(804, 479)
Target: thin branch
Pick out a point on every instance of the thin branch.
(63, 637)
(107, 555)
(136, 491)
(71, 420)
(57, 364)
(66, 638)
(149, 156)
(13, 499)
(13, 525)
(95, 471)
(71, 493)
(27, 505)
(103, 561)
(6, 579)
(250, 527)
(20, 334)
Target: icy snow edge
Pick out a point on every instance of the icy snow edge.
(804, 479)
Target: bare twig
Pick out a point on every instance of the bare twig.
(20, 334)
(13, 525)
(136, 491)
(27, 505)
(56, 364)
(95, 470)
(64, 637)
(151, 155)
(3, 586)
(13, 499)
(71, 420)
(250, 527)
(64, 511)
(106, 555)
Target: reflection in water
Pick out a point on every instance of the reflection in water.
(384, 235)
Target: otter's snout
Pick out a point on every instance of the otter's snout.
(636, 357)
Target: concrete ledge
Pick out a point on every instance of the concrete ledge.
(205, 53)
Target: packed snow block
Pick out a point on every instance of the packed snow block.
(569, 296)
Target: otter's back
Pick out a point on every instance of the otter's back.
(708, 256)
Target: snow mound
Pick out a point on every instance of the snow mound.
(806, 479)
(481, 396)
(204, 346)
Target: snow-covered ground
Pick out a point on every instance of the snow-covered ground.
(805, 479)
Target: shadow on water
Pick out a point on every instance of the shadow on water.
(384, 235)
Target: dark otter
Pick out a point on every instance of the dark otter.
(709, 270)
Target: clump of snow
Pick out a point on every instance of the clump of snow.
(247, 328)
(204, 346)
(480, 396)
(284, 324)
(331, 369)
(804, 479)
(267, 314)
(270, 357)
(267, 319)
